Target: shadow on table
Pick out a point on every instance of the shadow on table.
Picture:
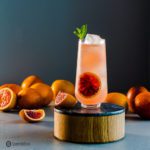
(134, 117)
(48, 110)
(47, 123)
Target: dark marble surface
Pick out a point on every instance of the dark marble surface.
(104, 110)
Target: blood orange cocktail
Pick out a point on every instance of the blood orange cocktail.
(91, 73)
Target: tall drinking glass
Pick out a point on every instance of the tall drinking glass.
(91, 72)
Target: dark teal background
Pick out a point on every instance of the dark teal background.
(36, 38)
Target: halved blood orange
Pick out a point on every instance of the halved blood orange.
(34, 115)
(89, 84)
(7, 99)
(65, 100)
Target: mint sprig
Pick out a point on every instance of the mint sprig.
(81, 32)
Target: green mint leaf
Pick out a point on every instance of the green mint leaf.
(84, 31)
(78, 30)
(81, 32)
(76, 33)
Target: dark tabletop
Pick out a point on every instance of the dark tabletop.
(39, 136)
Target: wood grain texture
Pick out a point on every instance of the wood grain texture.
(85, 129)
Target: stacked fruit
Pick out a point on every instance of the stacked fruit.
(137, 101)
(33, 94)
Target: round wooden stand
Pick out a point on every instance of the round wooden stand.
(101, 125)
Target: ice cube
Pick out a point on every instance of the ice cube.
(93, 39)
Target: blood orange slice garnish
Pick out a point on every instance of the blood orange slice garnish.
(7, 99)
(34, 115)
(89, 84)
(65, 100)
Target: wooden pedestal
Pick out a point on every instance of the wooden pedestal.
(104, 124)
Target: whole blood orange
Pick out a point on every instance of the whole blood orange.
(132, 93)
(117, 98)
(89, 84)
(29, 98)
(64, 86)
(65, 100)
(34, 115)
(45, 91)
(30, 80)
(142, 105)
(7, 99)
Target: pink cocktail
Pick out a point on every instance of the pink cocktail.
(91, 73)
